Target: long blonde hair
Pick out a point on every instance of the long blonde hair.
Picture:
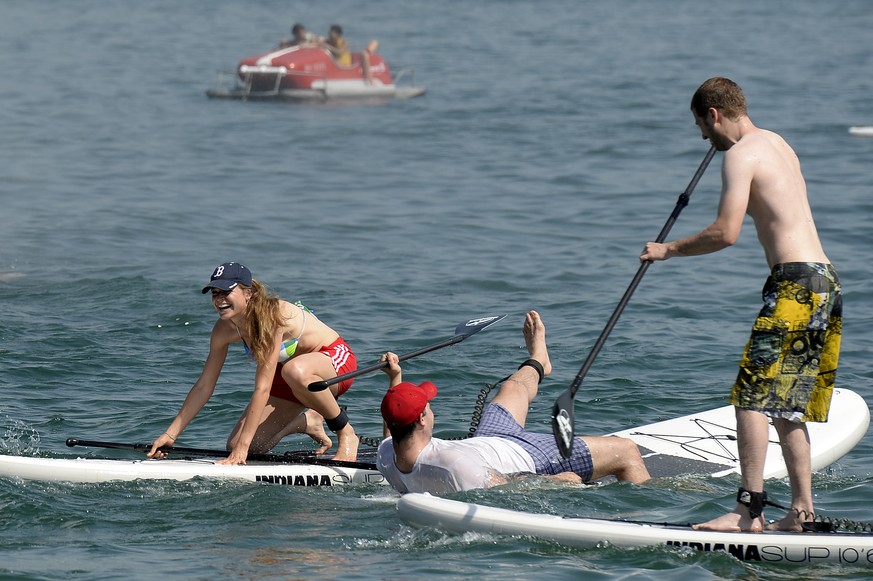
(263, 317)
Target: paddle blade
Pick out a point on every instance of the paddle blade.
(472, 326)
(562, 423)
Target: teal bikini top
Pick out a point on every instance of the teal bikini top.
(289, 346)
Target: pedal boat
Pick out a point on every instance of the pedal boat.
(301, 73)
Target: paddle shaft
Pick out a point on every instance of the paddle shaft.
(680, 204)
(286, 458)
(320, 385)
(463, 331)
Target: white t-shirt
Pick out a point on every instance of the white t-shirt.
(455, 465)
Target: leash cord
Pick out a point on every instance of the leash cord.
(821, 523)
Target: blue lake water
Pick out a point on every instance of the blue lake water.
(553, 142)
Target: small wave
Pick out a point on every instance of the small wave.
(19, 439)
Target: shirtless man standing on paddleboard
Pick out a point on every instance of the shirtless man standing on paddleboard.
(789, 365)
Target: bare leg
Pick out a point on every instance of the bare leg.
(365, 67)
(517, 392)
(347, 445)
(365, 60)
(280, 418)
(309, 368)
(611, 456)
(753, 432)
(795, 449)
(619, 457)
(310, 423)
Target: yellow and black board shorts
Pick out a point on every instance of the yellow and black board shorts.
(790, 362)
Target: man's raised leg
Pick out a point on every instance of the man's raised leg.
(517, 392)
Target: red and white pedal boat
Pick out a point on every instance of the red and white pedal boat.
(311, 73)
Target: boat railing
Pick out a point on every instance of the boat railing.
(248, 73)
(269, 81)
(404, 72)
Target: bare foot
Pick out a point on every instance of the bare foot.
(793, 522)
(535, 339)
(736, 521)
(315, 430)
(347, 447)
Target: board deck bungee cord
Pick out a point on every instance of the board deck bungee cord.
(705, 442)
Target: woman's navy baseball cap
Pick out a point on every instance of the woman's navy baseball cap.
(226, 276)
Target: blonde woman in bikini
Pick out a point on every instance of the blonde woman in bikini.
(291, 348)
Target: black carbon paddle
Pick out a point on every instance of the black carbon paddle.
(462, 331)
(300, 457)
(562, 412)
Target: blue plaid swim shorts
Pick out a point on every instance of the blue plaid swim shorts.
(498, 422)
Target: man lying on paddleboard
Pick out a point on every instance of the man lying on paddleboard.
(412, 460)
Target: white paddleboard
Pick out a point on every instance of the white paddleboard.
(854, 549)
(862, 130)
(701, 443)
(106, 470)
(705, 442)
